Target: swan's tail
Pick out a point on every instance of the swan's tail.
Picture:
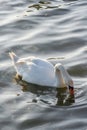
(13, 57)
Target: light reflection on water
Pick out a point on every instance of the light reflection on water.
(54, 30)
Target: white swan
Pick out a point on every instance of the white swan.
(41, 72)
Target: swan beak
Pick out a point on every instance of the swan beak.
(71, 90)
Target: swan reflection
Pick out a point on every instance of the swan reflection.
(62, 95)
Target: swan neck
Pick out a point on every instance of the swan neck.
(59, 78)
(65, 75)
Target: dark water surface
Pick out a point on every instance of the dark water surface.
(54, 30)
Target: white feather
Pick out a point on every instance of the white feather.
(41, 72)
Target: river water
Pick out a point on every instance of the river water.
(54, 30)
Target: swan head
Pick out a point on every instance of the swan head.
(71, 87)
(65, 77)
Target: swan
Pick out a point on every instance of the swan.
(41, 72)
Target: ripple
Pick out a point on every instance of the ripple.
(53, 30)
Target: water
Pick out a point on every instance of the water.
(54, 30)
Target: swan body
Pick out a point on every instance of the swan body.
(41, 72)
